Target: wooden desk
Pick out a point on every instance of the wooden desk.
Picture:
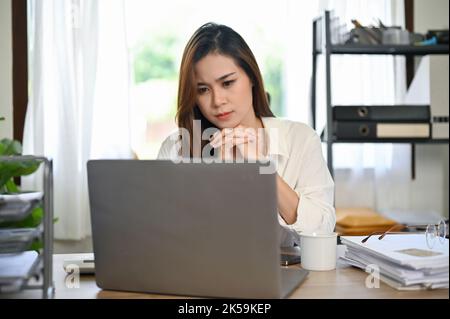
(344, 282)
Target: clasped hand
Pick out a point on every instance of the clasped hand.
(239, 143)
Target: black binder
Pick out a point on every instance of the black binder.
(382, 113)
(353, 130)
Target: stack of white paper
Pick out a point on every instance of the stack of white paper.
(16, 267)
(403, 261)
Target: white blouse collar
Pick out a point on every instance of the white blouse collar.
(276, 131)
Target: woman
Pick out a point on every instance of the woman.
(221, 88)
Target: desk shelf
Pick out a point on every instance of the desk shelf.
(326, 43)
(389, 141)
(15, 243)
(406, 50)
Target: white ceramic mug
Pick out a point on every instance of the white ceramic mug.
(318, 251)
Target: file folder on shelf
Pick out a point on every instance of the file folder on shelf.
(13, 240)
(376, 130)
(11, 211)
(382, 113)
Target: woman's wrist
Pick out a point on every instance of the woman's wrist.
(288, 201)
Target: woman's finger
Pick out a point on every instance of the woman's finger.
(239, 130)
(218, 136)
(220, 139)
(232, 140)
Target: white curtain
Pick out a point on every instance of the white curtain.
(78, 107)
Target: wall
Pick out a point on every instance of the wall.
(432, 14)
(6, 127)
(432, 161)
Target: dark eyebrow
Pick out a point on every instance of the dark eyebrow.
(223, 77)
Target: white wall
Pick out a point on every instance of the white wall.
(430, 14)
(6, 127)
(432, 160)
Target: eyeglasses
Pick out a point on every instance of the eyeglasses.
(432, 232)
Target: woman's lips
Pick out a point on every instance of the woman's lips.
(224, 116)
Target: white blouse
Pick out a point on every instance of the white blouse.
(300, 163)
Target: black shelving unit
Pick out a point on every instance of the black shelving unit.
(40, 273)
(323, 44)
(405, 50)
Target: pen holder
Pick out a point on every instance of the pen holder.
(395, 36)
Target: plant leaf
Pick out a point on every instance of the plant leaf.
(11, 147)
(11, 187)
(4, 178)
(33, 220)
(2, 149)
(17, 168)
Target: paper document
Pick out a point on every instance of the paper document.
(14, 267)
(408, 250)
(26, 196)
(403, 261)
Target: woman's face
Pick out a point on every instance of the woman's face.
(224, 92)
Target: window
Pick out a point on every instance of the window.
(157, 37)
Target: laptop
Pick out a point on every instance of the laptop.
(194, 229)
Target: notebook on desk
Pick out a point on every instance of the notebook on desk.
(187, 229)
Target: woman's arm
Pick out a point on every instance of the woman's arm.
(315, 187)
(288, 201)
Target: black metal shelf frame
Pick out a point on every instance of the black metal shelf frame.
(391, 141)
(407, 50)
(321, 30)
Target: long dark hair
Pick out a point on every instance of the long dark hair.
(215, 38)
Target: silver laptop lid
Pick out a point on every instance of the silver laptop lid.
(187, 229)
